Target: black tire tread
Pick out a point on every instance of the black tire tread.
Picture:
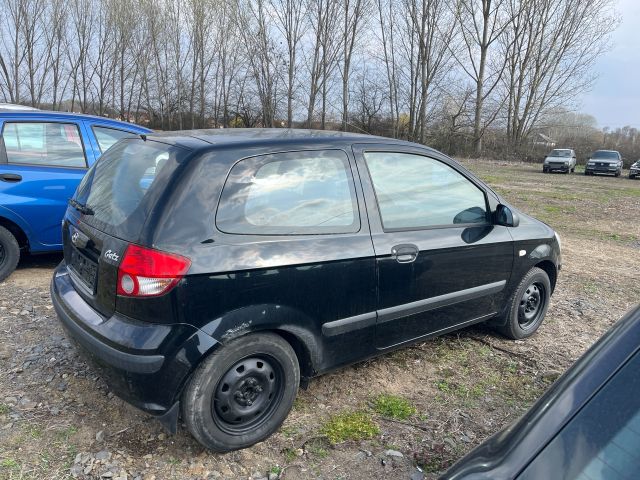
(196, 397)
(510, 329)
(12, 253)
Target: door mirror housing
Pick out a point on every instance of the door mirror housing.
(506, 217)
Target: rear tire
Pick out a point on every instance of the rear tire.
(242, 393)
(9, 253)
(528, 305)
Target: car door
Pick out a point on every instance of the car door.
(440, 261)
(41, 164)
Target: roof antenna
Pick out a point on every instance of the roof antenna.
(143, 137)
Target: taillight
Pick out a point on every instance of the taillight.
(145, 272)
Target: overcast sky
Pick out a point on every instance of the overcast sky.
(615, 97)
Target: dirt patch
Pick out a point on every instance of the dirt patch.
(58, 419)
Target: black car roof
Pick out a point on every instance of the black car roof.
(266, 136)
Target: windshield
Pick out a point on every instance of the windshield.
(560, 153)
(119, 188)
(605, 154)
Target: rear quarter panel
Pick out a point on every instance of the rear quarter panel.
(243, 283)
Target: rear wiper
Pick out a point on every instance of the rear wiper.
(80, 207)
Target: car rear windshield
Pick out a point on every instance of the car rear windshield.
(122, 186)
(560, 153)
(603, 154)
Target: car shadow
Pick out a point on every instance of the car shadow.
(43, 260)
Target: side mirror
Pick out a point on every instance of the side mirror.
(506, 217)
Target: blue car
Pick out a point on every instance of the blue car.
(43, 157)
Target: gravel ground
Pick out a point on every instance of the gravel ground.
(59, 420)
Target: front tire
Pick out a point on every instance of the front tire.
(9, 253)
(242, 393)
(528, 305)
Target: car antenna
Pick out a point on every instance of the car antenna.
(143, 136)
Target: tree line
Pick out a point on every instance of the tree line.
(457, 74)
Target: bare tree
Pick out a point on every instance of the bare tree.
(369, 98)
(387, 25)
(430, 28)
(56, 44)
(482, 23)
(290, 16)
(325, 49)
(550, 48)
(354, 16)
(79, 53)
(262, 56)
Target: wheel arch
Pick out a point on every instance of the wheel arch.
(17, 231)
(550, 269)
(255, 320)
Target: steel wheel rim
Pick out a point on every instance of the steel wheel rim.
(247, 394)
(531, 306)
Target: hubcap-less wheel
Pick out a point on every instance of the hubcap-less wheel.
(247, 394)
(241, 392)
(531, 305)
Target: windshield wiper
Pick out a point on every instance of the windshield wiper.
(80, 207)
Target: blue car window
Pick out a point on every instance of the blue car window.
(108, 136)
(44, 143)
(603, 440)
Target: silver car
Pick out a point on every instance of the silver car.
(604, 161)
(560, 160)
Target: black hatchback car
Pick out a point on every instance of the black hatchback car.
(210, 273)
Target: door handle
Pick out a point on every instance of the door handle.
(10, 177)
(405, 253)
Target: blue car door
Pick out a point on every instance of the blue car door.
(41, 163)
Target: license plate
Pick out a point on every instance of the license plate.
(84, 268)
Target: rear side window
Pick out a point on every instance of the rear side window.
(414, 191)
(106, 137)
(43, 143)
(288, 194)
(119, 187)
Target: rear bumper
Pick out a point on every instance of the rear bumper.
(145, 364)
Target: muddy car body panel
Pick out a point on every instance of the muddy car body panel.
(337, 291)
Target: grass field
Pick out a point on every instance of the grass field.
(429, 403)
